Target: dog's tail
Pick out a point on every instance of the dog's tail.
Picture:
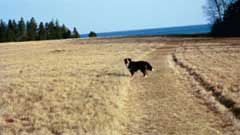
(149, 67)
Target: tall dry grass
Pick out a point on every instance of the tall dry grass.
(65, 87)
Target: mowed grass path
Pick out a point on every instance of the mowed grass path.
(164, 104)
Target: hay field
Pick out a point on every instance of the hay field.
(81, 87)
(56, 87)
(218, 63)
(212, 68)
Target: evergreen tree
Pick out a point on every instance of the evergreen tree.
(63, 31)
(66, 33)
(10, 31)
(75, 33)
(58, 32)
(42, 32)
(14, 28)
(21, 30)
(46, 28)
(32, 29)
(28, 30)
(51, 31)
(3, 31)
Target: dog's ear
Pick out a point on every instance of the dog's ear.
(125, 60)
(129, 59)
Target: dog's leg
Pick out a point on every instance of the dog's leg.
(144, 73)
(132, 74)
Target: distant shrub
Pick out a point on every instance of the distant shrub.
(92, 34)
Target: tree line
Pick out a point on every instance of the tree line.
(225, 17)
(31, 30)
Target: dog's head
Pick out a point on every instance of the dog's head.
(127, 61)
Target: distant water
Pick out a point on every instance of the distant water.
(193, 29)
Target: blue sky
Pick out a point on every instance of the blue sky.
(107, 15)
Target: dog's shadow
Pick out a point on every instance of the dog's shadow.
(106, 73)
(113, 75)
(117, 74)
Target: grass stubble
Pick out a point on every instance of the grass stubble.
(64, 87)
(74, 87)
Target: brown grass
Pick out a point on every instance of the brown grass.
(75, 87)
(218, 64)
(64, 87)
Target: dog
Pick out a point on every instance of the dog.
(134, 66)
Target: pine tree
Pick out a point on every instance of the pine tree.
(63, 31)
(3, 31)
(51, 31)
(66, 33)
(32, 29)
(75, 33)
(58, 32)
(10, 31)
(21, 32)
(42, 32)
(46, 28)
(15, 29)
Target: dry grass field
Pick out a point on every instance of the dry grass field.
(82, 87)
(217, 63)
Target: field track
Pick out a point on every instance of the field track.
(71, 87)
(166, 105)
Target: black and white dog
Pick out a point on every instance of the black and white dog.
(134, 66)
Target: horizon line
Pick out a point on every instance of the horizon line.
(166, 27)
